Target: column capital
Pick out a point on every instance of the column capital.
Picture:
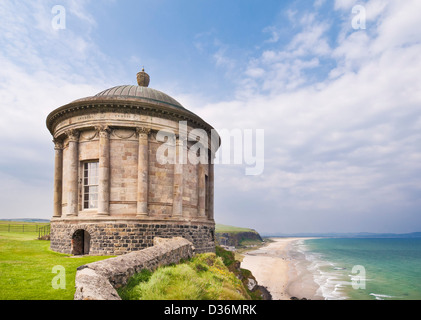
(179, 141)
(58, 144)
(73, 135)
(211, 157)
(103, 131)
(143, 132)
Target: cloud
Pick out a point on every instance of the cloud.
(42, 69)
(345, 4)
(274, 33)
(21, 199)
(222, 60)
(345, 145)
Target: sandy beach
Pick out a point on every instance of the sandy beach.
(273, 268)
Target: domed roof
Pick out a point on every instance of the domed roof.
(141, 93)
(132, 97)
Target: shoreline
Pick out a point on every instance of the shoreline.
(277, 267)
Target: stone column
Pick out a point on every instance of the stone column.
(211, 185)
(104, 171)
(58, 178)
(143, 172)
(201, 190)
(73, 170)
(177, 207)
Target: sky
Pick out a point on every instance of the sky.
(333, 85)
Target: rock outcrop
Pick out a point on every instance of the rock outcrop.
(236, 239)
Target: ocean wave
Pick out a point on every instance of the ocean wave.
(381, 296)
(330, 282)
(331, 286)
(387, 269)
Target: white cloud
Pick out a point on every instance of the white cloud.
(274, 33)
(348, 144)
(345, 4)
(222, 60)
(319, 3)
(399, 28)
(39, 73)
(21, 199)
(40, 66)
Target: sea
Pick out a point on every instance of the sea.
(359, 268)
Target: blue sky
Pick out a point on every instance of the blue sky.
(340, 106)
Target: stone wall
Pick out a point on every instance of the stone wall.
(99, 280)
(123, 175)
(115, 238)
(161, 178)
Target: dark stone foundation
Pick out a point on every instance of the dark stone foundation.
(113, 238)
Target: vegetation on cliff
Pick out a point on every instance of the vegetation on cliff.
(255, 291)
(236, 236)
(206, 276)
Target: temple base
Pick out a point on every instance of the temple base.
(116, 238)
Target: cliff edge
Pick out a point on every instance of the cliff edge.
(229, 236)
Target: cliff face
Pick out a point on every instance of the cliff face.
(255, 291)
(237, 239)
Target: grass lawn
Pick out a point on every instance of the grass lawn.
(26, 268)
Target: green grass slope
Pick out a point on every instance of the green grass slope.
(204, 277)
(236, 236)
(221, 228)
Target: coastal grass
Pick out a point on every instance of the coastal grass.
(203, 277)
(241, 237)
(222, 228)
(232, 262)
(26, 268)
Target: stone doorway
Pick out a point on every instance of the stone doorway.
(81, 241)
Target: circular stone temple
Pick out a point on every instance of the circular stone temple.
(131, 164)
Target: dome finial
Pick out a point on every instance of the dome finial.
(143, 78)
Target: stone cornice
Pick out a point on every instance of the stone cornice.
(135, 106)
(147, 220)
